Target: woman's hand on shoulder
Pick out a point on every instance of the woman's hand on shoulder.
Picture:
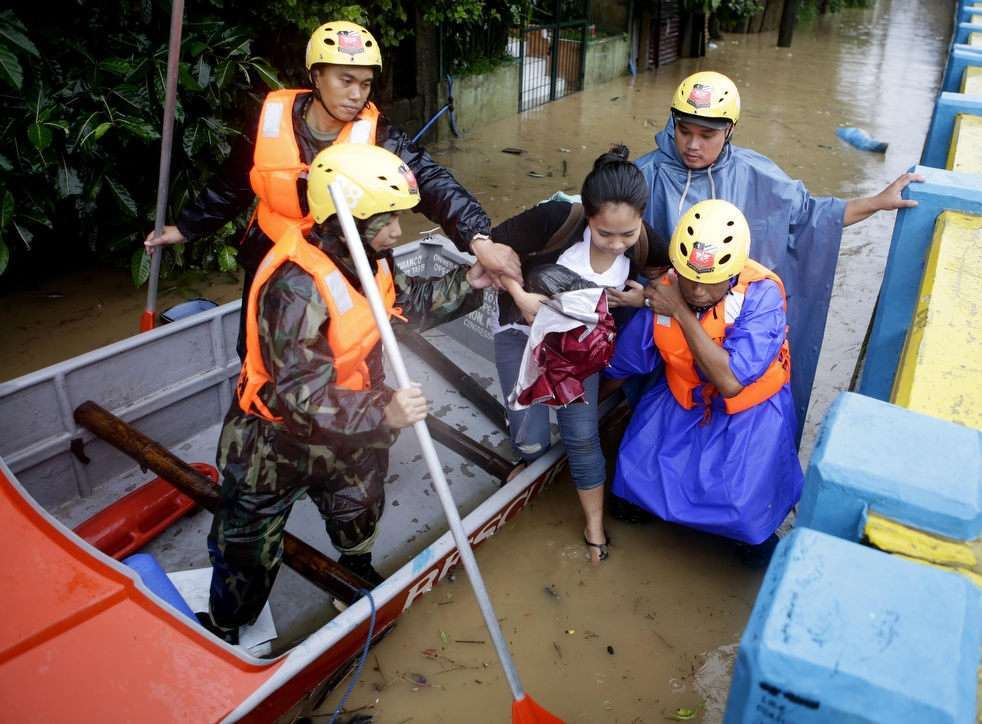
(663, 296)
(633, 296)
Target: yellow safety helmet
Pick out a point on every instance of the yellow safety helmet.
(711, 242)
(709, 99)
(343, 43)
(375, 181)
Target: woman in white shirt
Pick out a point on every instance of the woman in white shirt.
(607, 243)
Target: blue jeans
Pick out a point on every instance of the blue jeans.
(529, 428)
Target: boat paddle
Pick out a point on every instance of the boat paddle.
(149, 318)
(524, 710)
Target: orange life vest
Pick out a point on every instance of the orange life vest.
(278, 163)
(680, 367)
(351, 332)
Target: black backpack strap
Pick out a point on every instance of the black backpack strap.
(640, 250)
(574, 220)
(561, 237)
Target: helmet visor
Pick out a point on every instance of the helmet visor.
(716, 124)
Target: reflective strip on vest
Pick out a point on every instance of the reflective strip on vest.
(680, 368)
(278, 164)
(351, 332)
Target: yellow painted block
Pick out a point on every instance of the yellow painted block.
(975, 39)
(940, 371)
(965, 152)
(972, 79)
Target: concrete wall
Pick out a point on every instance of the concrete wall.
(481, 99)
(606, 58)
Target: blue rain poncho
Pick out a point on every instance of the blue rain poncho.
(792, 232)
(736, 476)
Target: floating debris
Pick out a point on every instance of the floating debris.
(513, 151)
(682, 714)
(444, 638)
(551, 590)
(536, 174)
(468, 641)
(610, 650)
(570, 631)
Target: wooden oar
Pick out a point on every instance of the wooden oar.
(306, 560)
(149, 318)
(524, 709)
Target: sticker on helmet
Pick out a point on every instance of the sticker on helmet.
(702, 260)
(350, 42)
(410, 179)
(352, 192)
(700, 96)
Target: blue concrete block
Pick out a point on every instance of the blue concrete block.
(966, 12)
(905, 265)
(960, 56)
(938, 139)
(918, 470)
(964, 30)
(846, 634)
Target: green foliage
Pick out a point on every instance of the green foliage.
(81, 103)
(81, 117)
(741, 8)
(475, 32)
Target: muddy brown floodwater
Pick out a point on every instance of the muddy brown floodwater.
(669, 603)
(655, 627)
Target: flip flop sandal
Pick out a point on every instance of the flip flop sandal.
(602, 547)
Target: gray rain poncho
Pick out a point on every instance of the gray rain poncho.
(792, 232)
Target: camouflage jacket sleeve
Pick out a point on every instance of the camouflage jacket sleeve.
(293, 323)
(430, 301)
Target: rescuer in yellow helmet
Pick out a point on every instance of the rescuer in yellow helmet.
(795, 234)
(343, 61)
(311, 413)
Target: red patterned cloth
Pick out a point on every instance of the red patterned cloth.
(571, 338)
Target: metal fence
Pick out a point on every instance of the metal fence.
(552, 59)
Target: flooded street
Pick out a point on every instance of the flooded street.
(653, 629)
(669, 603)
(649, 631)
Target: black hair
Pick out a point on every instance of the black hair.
(614, 180)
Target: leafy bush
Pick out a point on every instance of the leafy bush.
(81, 122)
(81, 103)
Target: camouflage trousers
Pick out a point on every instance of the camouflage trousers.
(246, 539)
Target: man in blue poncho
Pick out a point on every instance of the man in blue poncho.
(711, 445)
(795, 234)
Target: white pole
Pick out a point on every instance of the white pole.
(166, 143)
(370, 289)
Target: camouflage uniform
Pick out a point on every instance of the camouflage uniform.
(332, 444)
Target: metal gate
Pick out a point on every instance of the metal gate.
(666, 37)
(552, 51)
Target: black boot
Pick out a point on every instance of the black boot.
(361, 565)
(229, 636)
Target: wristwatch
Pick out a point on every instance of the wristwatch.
(477, 237)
